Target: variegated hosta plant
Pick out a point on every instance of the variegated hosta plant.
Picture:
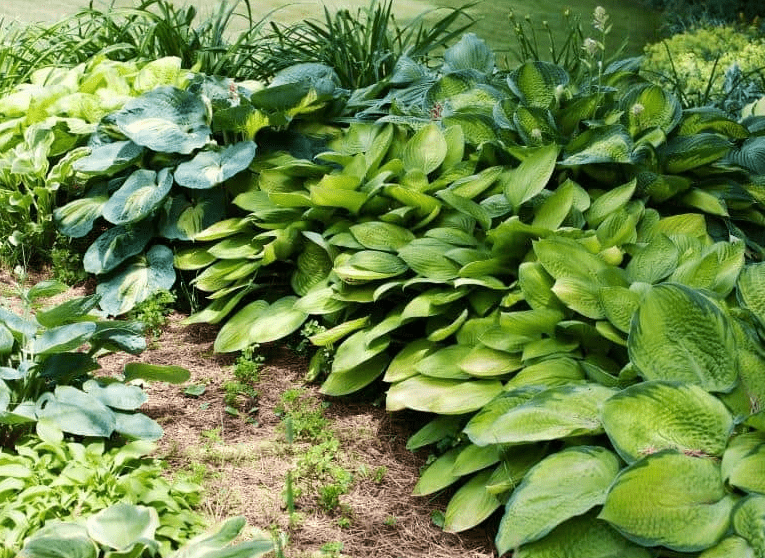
(577, 300)
(156, 172)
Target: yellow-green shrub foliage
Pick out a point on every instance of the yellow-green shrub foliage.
(689, 64)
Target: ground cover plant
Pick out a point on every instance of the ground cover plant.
(565, 271)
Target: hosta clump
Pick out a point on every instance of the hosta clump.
(157, 170)
(134, 530)
(575, 290)
(47, 360)
(45, 125)
(84, 479)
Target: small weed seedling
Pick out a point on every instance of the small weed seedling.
(240, 390)
(153, 312)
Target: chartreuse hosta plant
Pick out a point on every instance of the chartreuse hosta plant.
(45, 126)
(577, 299)
(133, 530)
(47, 360)
(157, 172)
(83, 479)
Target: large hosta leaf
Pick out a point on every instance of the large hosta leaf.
(536, 415)
(140, 195)
(650, 106)
(559, 487)
(471, 504)
(604, 144)
(278, 321)
(670, 499)
(377, 235)
(442, 396)
(183, 216)
(121, 525)
(531, 176)
(470, 53)
(425, 150)
(235, 333)
(138, 281)
(76, 412)
(749, 522)
(109, 158)
(579, 537)
(680, 335)
(743, 463)
(535, 83)
(652, 416)
(166, 119)
(76, 218)
(210, 168)
(750, 289)
(115, 246)
(63, 338)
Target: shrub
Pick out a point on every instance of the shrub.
(721, 65)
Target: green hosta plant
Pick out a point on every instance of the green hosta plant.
(134, 530)
(47, 359)
(160, 170)
(84, 479)
(576, 290)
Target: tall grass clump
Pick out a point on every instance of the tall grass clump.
(363, 47)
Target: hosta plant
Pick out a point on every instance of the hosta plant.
(45, 126)
(160, 170)
(85, 479)
(565, 274)
(133, 530)
(47, 364)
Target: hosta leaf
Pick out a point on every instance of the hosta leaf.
(357, 349)
(437, 475)
(680, 335)
(485, 362)
(138, 281)
(536, 285)
(683, 153)
(278, 321)
(426, 256)
(156, 373)
(730, 547)
(54, 545)
(121, 525)
(749, 522)
(63, 338)
(547, 373)
(466, 206)
(76, 412)
(743, 462)
(561, 486)
(425, 150)
(532, 415)
(336, 333)
(235, 333)
(140, 195)
(76, 218)
(137, 426)
(444, 363)
(670, 499)
(535, 82)
(377, 235)
(470, 505)
(531, 176)
(716, 269)
(404, 364)
(116, 395)
(474, 458)
(566, 258)
(619, 305)
(6, 340)
(750, 289)
(440, 428)
(604, 144)
(442, 396)
(708, 119)
(109, 158)
(469, 53)
(166, 119)
(653, 261)
(582, 536)
(222, 229)
(652, 416)
(649, 107)
(552, 213)
(210, 168)
(350, 380)
(580, 295)
(115, 246)
(320, 300)
(327, 196)
(183, 217)
(609, 202)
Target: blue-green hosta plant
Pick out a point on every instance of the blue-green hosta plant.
(47, 361)
(45, 126)
(43, 481)
(575, 298)
(133, 530)
(160, 170)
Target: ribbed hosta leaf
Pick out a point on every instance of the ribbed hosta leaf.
(559, 487)
(470, 505)
(531, 176)
(350, 380)
(184, 216)
(469, 53)
(680, 335)
(749, 522)
(533, 415)
(604, 144)
(579, 537)
(377, 235)
(485, 362)
(609, 202)
(235, 333)
(115, 246)
(547, 373)
(619, 305)
(670, 499)
(649, 107)
(750, 289)
(535, 83)
(442, 396)
(652, 416)
(731, 547)
(426, 256)
(425, 150)
(683, 153)
(653, 261)
(750, 155)
(444, 363)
